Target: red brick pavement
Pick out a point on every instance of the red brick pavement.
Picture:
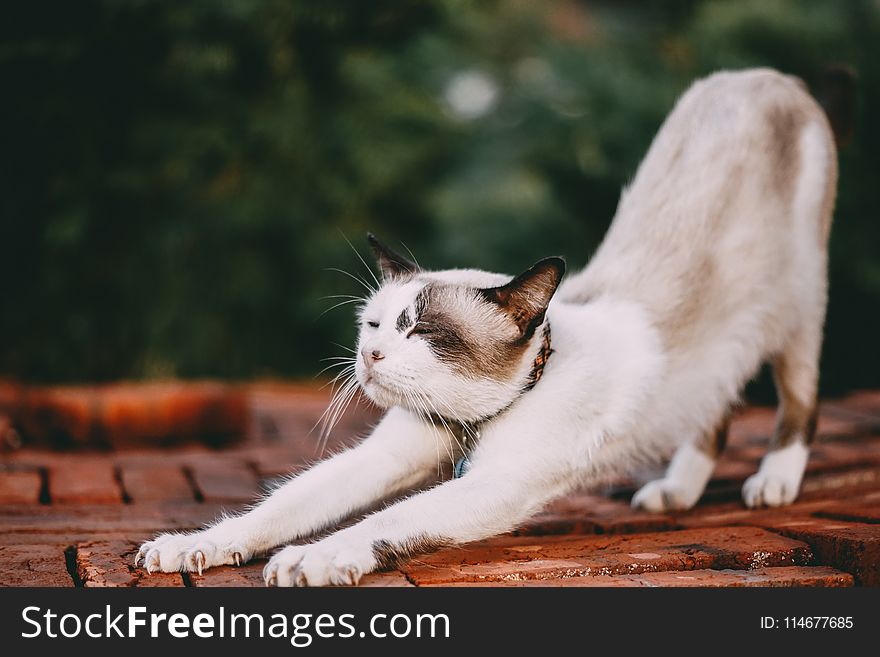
(75, 518)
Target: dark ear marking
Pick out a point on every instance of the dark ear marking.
(391, 264)
(525, 298)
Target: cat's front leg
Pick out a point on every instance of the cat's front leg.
(403, 452)
(483, 503)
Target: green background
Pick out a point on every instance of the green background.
(178, 176)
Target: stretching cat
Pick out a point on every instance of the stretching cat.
(715, 262)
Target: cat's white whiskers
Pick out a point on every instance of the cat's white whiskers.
(363, 262)
(340, 397)
(434, 413)
(423, 404)
(412, 255)
(332, 365)
(350, 391)
(338, 305)
(340, 296)
(367, 286)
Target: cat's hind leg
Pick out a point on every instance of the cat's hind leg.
(687, 475)
(796, 373)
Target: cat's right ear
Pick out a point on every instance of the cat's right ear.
(526, 297)
(392, 264)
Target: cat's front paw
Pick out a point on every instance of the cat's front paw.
(326, 563)
(194, 552)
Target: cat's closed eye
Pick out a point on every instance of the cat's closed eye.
(420, 329)
(372, 324)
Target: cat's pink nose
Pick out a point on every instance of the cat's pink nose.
(371, 356)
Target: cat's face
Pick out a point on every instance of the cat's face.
(454, 343)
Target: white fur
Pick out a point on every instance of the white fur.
(707, 271)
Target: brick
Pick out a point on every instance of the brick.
(34, 565)
(10, 439)
(756, 424)
(279, 461)
(785, 576)
(833, 423)
(863, 509)
(251, 574)
(82, 481)
(291, 413)
(736, 514)
(10, 395)
(734, 470)
(156, 483)
(130, 414)
(225, 482)
(849, 546)
(393, 578)
(593, 514)
(140, 521)
(830, 456)
(60, 416)
(553, 557)
(70, 539)
(835, 519)
(110, 564)
(753, 424)
(865, 403)
(839, 483)
(20, 487)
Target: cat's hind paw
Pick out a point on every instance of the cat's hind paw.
(663, 495)
(769, 489)
(778, 480)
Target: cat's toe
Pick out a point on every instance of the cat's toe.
(283, 567)
(664, 495)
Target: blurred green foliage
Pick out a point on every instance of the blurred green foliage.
(178, 176)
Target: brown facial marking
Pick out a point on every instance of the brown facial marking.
(446, 337)
(456, 324)
(391, 555)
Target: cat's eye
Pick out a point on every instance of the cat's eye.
(419, 329)
(373, 324)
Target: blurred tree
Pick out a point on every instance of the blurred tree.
(178, 177)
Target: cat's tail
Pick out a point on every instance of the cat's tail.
(836, 93)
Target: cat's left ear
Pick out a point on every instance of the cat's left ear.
(526, 297)
(391, 263)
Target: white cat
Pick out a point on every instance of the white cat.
(715, 262)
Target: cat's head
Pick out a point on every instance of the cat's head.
(457, 343)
